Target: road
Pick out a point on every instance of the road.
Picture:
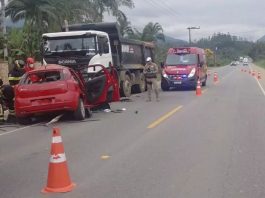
(184, 146)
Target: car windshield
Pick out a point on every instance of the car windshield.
(43, 77)
(181, 59)
(70, 44)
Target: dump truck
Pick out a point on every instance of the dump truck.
(100, 43)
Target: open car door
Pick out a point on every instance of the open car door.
(101, 85)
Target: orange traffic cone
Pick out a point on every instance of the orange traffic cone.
(259, 76)
(249, 72)
(253, 73)
(245, 70)
(215, 77)
(58, 175)
(198, 88)
(242, 70)
(209, 73)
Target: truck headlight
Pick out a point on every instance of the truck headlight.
(192, 73)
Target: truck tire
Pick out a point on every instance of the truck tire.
(141, 87)
(80, 112)
(126, 87)
(204, 82)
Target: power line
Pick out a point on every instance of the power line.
(161, 6)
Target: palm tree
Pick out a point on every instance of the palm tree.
(110, 6)
(37, 15)
(152, 32)
(124, 25)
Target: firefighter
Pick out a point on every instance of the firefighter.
(16, 73)
(29, 64)
(150, 71)
(7, 96)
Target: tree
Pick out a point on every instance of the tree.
(110, 6)
(37, 15)
(152, 32)
(124, 25)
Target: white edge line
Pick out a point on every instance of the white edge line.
(19, 129)
(261, 88)
(263, 91)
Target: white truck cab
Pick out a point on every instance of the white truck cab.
(77, 48)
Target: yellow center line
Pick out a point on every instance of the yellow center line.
(164, 117)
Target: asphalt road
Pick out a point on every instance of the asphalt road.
(184, 146)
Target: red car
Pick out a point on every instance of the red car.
(54, 88)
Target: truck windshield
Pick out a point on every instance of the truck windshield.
(62, 44)
(181, 59)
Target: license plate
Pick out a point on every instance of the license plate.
(41, 102)
(177, 82)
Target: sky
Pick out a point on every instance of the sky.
(245, 18)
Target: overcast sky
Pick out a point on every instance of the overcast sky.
(245, 18)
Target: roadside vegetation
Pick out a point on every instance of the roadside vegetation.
(43, 16)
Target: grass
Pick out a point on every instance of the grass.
(260, 63)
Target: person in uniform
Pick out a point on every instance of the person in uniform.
(7, 96)
(150, 71)
(16, 73)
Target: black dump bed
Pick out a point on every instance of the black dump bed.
(138, 50)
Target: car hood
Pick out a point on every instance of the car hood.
(180, 69)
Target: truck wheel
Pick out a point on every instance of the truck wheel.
(204, 82)
(141, 87)
(126, 86)
(24, 120)
(80, 112)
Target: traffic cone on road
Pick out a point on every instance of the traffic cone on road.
(58, 175)
(198, 88)
(215, 77)
(259, 76)
(209, 73)
(242, 70)
(249, 72)
(245, 70)
(253, 73)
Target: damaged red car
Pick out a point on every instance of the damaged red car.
(55, 88)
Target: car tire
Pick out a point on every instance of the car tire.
(126, 87)
(80, 112)
(165, 87)
(24, 120)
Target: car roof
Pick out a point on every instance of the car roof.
(48, 67)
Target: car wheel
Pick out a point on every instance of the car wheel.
(80, 112)
(24, 120)
(126, 86)
(165, 87)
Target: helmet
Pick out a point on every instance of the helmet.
(30, 60)
(148, 59)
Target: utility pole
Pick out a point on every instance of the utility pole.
(192, 28)
(3, 23)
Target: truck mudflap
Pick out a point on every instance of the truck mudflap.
(100, 86)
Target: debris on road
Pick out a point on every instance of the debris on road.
(56, 119)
